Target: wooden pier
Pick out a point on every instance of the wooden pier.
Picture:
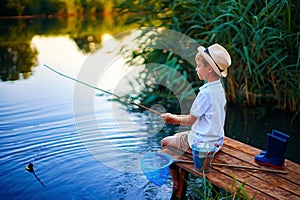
(258, 184)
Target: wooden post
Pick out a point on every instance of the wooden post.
(181, 192)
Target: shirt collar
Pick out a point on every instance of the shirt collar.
(209, 84)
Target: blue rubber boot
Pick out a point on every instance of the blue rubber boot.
(278, 134)
(275, 154)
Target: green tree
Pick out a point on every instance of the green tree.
(262, 37)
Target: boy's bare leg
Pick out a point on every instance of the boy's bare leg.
(175, 142)
(174, 171)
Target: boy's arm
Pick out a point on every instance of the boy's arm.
(185, 120)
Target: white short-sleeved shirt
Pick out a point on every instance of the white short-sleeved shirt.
(209, 109)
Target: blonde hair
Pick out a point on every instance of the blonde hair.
(200, 59)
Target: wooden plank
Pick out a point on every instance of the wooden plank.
(222, 180)
(262, 185)
(255, 151)
(229, 181)
(288, 182)
(234, 149)
(254, 180)
(241, 146)
(215, 176)
(291, 178)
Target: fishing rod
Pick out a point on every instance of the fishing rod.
(99, 89)
(187, 160)
(250, 168)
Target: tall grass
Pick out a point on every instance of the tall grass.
(207, 191)
(261, 36)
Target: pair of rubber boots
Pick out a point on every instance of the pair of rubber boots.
(274, 156)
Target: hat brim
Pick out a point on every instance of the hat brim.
(201, 50)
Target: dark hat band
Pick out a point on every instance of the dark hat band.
(207, 52)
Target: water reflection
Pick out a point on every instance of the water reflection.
(18, 56)
(17, 61)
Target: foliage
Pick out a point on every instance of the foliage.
(30, 7)
(18, 5)
(53, 7)
(261, 36)
(207, 191)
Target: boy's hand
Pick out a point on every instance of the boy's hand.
(168, 118)
(185, 120)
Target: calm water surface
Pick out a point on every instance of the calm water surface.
(77, 157)
(37, 125)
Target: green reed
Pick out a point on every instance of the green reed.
(261, 36)
(207, 191)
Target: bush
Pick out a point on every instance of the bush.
(261, 36)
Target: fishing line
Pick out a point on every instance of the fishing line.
(37, 154)
(30, 167)
(96, 88)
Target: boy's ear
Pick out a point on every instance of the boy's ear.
(210, 70)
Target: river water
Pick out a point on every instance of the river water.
(38, 125)
(84, 145)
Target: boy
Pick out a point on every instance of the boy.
(207, 115)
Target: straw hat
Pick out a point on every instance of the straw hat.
(218, 58)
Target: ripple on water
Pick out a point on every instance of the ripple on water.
(73, 155)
